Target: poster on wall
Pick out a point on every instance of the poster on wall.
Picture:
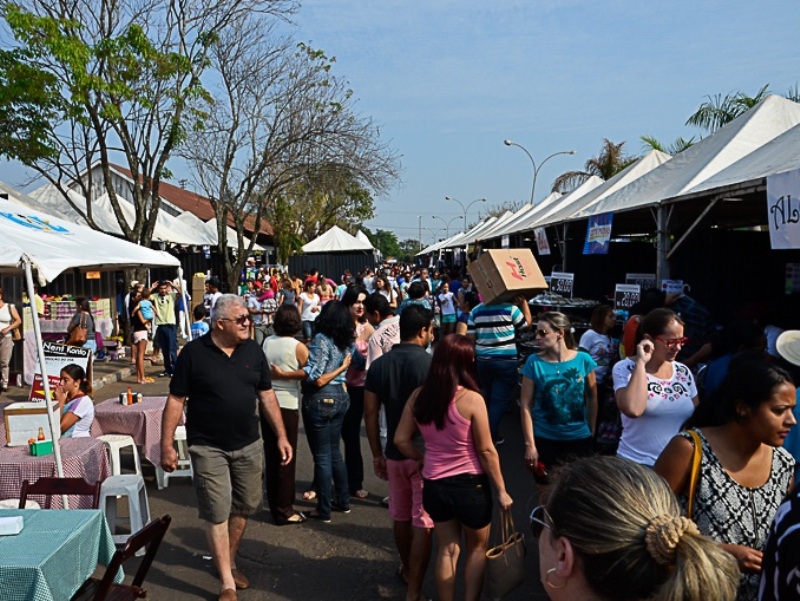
(542, 245)
(598, 234)
(783, 209)
(56, 357)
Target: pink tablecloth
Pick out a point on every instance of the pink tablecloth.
(81, 457)
(141, 421)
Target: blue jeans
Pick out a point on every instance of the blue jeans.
(323, 413)
(498, 381)
(308, 330)
(167, 341)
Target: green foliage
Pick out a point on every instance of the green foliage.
(385, 241)
(718, 110)
(611, 160)
(679, 145)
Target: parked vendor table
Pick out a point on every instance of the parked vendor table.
(81, 457)
(141, 421)
(54, 554)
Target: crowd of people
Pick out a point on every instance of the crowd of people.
(687, 506)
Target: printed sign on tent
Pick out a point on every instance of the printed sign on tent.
(598, 234)
(626, 295)
(562, 283)
(672, 286)
(783, 209)
(542, 245)
(56, 357)
(644, 280)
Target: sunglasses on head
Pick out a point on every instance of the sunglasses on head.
(239, 320)
(540, 520)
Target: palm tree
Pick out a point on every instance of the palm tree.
(719, 110)
(611, 160)
(679, 145)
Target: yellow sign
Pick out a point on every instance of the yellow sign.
(92, 275)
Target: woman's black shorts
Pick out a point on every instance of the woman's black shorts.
(465, 497)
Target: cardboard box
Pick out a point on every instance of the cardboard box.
(502, 274)
(23, 420)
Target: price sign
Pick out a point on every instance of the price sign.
(626, 295)
(562, 283)
(672, 286)
(644, 280)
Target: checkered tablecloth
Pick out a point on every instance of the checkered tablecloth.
(54, 554)
(141, 421)
(81, 457)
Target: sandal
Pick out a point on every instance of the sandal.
(309, 495)
(360, 494)
(296, 518)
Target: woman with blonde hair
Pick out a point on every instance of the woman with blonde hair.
(612, 530)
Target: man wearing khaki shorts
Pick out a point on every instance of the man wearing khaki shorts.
(226, 380)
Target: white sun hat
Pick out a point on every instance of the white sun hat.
(788, 346)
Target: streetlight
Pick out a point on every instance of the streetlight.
(447, 222)
(467, 207)
(535, 168)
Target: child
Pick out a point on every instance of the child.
(145, 308)
(199, 327)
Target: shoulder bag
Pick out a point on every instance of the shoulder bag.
(505, 561)
(694, 475)
(77, 337)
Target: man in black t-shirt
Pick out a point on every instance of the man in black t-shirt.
(390, 381)
(226, 379)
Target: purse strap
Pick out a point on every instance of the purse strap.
(694, 475)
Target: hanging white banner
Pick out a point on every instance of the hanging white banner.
(783, 209)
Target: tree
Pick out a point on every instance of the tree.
(116, 80)
(409, 247)
(611, 160)
(679, 145)
(385, 241)
(718, 110)
(282, 142)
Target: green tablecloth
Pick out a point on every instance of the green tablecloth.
(54, 554)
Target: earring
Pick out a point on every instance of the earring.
(550, 584)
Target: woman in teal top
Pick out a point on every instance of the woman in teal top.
(558, 398)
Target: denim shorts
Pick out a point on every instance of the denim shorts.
(227, 482)
(465, 497)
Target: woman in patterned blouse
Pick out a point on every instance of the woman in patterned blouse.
(744, 472)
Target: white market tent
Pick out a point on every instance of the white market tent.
(336, 240)
(208, 230)
(363, 237)
(167, 228)
(34, 240)
(506, 220)
(632, 172)
(526, 216)
(777, 156)
(764, 122)
(476, 233)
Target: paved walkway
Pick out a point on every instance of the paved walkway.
(353, 558)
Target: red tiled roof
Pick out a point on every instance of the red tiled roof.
(200, 206)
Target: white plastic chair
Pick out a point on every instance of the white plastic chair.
(115, 442)
(130, 486)
(184, 462)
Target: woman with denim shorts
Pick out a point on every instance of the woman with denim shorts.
(325, 403)
(460, 462)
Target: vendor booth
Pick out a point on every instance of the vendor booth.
(332, 253)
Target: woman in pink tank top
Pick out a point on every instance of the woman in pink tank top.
(460, 462)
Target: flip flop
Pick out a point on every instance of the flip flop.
(309, 495)
(360, 494)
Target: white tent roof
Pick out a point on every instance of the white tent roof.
(764, 122)
(167, 229)
(777, 156)
(363, 237)
(55, 244)
(336, 240)
(632, 172)
(208, 230)
(523, 216)
(476, 233)
(507, 219)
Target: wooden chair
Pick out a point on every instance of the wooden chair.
(104, 589)
(60, 486)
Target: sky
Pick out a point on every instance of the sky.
(448, 80)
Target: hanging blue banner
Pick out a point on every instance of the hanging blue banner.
(598, 234)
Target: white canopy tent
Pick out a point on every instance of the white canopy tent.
(476, 233)
(336, 240)
(766, 121)
(33, 240)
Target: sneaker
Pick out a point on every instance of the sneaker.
(165, 374)
(500, 441)
(385, 502)
(325, 519)
(340, 508)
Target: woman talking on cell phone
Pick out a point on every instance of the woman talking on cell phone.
(558, 401)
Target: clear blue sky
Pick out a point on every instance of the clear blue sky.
(448, 80)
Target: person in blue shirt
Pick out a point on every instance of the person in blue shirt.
(200, 326)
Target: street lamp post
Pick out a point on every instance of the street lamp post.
(463, 208)
(535, 168)
(447, 222)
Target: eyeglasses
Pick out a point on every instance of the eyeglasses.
(673, 342)
(542, 333)
(540, 520)
(243, 320)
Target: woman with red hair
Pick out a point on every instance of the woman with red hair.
(460, 461)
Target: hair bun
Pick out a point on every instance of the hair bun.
(663, 534)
